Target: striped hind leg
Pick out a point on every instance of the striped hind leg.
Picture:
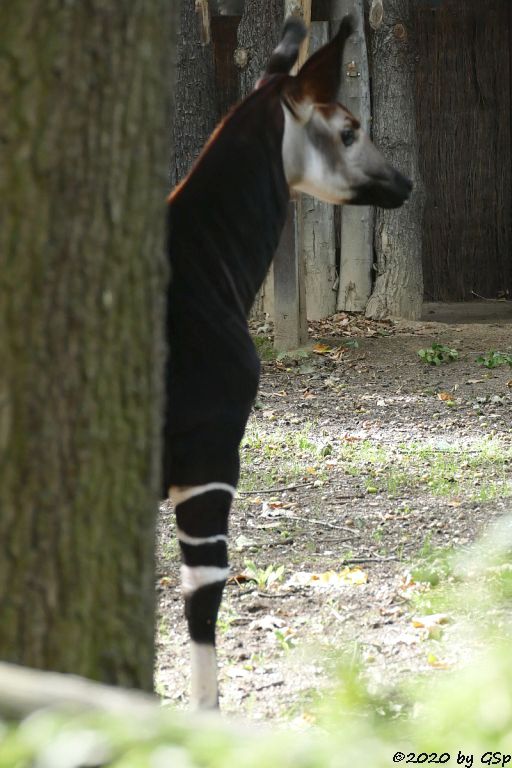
(202, 527)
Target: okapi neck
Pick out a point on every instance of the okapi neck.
(226, 217)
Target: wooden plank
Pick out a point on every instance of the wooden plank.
(357, 221)
(290, 324)
(318, 231)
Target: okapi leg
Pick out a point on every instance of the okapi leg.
(202, 528)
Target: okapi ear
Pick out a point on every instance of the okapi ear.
(319, 79)
(286, 53)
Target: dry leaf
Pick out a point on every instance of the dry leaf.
(321, 349)
(431, 620)
(239, 578)
(329, 579)
(433, 661)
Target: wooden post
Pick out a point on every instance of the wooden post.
(319, 228)
(290, 323)
(290, 326)
(357, 221)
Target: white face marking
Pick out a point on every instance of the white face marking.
(318, 162)
(204, 694)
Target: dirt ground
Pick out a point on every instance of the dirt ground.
(361, 465)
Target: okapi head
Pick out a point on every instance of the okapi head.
(325, 151)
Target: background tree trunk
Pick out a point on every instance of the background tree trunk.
(258, 34)
(82, 276)
(196, 111)
(398, 289)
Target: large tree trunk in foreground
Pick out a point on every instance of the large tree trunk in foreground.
(85, 154)
(398, 290)
(195, 102)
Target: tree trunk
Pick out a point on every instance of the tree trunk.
(258, 34)
(82, 277)
(398, 289)
(196, 112)
(357, 221)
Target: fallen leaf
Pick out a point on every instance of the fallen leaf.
(430, 620)
(446, 397)
(433, 661)
(329, 579)
(239, 578)
(236, 672)
(321, 349)
(241, 542)
(267, 622)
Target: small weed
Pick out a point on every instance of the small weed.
(433, 565)
(170, 551)
(297, 354)
(437, 354)
(286, 642)
(264, 348)
(226, 619)
(264, 577)
(492, 359)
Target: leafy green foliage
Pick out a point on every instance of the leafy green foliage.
(438, 354)
(492, 359)
(467, 712)
(264, 577)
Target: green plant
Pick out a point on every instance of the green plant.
(437, 354)
(285, 641)
(264, 577)
(492, 359)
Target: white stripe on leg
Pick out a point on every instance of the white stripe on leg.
(196, 576)
(198, 540)
(178, 494)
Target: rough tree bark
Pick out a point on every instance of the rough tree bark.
(195, 114)
(84, 158)
(398, 289)
(258, 33)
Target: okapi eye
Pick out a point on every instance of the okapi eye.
(348, 136)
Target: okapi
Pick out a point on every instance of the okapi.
(225, 220)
